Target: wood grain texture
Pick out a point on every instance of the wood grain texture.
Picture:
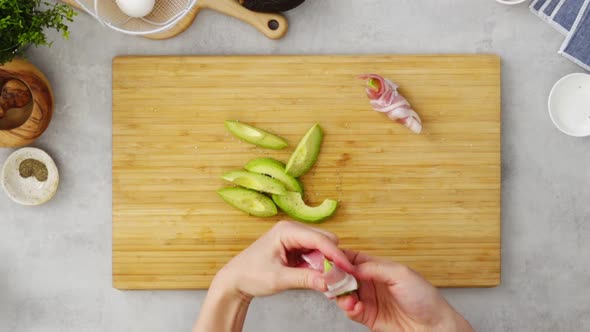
(431, 201)
(260, 21)
(22, 126)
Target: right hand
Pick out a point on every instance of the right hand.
(392, 297)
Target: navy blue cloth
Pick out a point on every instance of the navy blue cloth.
(566, 14)
(571, 18)
(537, 5)
(549, 7)
(577, 45)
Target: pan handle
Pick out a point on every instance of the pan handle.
(274, 26)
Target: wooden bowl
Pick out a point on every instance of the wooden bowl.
(26, 103)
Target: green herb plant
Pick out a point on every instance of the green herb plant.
(24, 22)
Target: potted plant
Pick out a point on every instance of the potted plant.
(23, 23)
(26, 98)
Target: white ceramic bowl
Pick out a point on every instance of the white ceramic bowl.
(569, 105)
(510, 2)
(29, 191)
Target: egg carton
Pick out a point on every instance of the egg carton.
(165, 15)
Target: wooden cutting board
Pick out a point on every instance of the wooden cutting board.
(431, 201)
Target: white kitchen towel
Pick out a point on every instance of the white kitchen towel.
(576, 47)
(565, 15)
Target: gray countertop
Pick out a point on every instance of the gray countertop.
(56, 259)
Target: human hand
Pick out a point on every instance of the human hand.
(392, 297)
(269, 265)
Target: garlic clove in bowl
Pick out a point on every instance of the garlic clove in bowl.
(136, 8)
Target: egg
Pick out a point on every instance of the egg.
(136, 8)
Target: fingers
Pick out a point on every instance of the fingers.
(288, 224)
(356, 257)
(329, 235)
(357, 313)
(298, 237)
(296, 278)
(353, 308)
(347, 302)
(384, 271)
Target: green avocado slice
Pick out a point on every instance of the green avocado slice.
(292, 204)
(306, 153)
(256, 182)
(255, 135)
(249, 201)
(276, 170)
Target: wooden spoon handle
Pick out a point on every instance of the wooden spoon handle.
(274, 26)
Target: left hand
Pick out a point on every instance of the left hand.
(270, 265)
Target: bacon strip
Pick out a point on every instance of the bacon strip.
(339, 282)
(385, 98)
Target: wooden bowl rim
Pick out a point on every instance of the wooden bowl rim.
(31, 68)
